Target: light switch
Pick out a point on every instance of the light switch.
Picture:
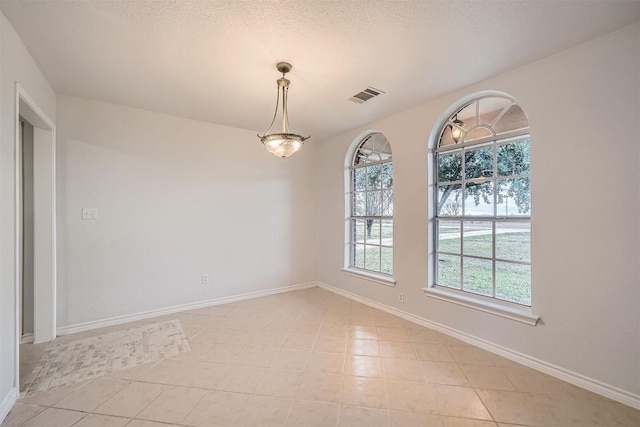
(89, 213)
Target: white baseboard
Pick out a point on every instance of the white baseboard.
(96, 324)
(609, 391)
(7, 403)
(606, 390)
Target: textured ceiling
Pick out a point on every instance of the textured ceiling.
(215, 60)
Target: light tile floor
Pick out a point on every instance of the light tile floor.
(312, 358)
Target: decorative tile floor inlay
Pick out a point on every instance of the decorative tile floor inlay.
(87, 358)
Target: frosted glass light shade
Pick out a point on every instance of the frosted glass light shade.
(282, 144)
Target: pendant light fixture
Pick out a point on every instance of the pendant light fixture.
(282, 144)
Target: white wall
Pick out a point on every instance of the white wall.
(176, 198)
(16, 65)
(583, 106)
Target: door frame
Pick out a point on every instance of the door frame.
(44, 136)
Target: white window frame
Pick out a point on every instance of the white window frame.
(490, 304)
(376, 276)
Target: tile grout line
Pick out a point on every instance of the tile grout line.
(345, 354)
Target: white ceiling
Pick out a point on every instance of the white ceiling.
(215, 60)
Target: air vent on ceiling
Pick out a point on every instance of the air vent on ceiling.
(366, 95)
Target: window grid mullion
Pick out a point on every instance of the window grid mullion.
(500, 218)
(463, 192)
(354, 218)
(463, 182)
(458, 182)
(380, 241)
(385, 218)
(436, 235)
(493, 258)
(364, 165)
(493, 223)
(364, 254)
(503, 138)
(507, 261)
(494, 178)
(462, 254)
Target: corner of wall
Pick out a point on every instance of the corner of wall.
(7, 403)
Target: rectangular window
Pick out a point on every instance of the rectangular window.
(482, 225)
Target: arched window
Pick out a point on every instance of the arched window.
(370, 211)
(482, 201)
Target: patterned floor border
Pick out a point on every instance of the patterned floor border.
(87, 358)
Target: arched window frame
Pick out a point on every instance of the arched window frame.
(358, 158)
(448, 123)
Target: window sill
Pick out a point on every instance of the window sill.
(519, 315)
(370, 276)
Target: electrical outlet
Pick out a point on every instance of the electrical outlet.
(401, 297)
(89, 213)
(205, 279)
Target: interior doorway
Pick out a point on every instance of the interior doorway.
(26, 233)
(35, 231)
